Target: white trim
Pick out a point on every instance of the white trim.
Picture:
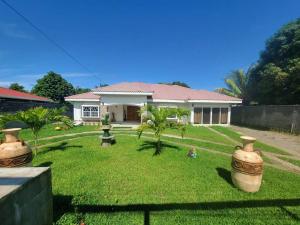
(121, 93)
(166, 100)
(82, 100)
(195, 101)
(82, 115)
(214, 101)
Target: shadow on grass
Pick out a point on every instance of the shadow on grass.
(60, 147)
(63, 204)
(225, 174)
(153, 145)
(44, 164)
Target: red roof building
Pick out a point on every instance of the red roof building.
(6, 93)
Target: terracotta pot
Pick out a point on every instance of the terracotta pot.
(247, 167)
(14, 152)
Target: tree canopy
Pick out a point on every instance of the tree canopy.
(179, 83)
(53, 86)
(275, 79)
(237, 85)
(79, 90)
(17, 87)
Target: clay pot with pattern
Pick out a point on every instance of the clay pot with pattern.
(247, 166)
(13, 151)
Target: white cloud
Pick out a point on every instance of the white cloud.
(13, 30)
(5, 83)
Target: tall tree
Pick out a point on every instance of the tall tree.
(17, 87)
(237, 85)
(53, 86)
(275, 79)
(179, 83)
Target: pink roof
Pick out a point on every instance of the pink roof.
(166, 92)
(87, 95)
(9, 93)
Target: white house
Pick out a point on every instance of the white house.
(124, 100)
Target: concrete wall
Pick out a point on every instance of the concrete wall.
(277, 117)
(26, 196)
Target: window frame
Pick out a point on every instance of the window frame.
(82, 111)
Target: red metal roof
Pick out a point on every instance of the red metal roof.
(9, 93)
(166, 92)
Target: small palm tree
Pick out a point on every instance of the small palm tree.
(36, 119)
(156, 119)
(237, 85)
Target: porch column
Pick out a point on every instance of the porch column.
(192, 115)
(229, 115)
(210, 118)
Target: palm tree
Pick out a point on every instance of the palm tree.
(36, 118)
(237, 85)
(156, 119)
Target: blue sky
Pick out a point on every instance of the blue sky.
(197, 42)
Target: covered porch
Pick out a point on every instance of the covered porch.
(122, 115)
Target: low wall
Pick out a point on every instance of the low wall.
(26, 196)
(278, 117)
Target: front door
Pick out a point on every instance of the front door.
(133, 113)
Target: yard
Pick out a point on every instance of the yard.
(127, 184)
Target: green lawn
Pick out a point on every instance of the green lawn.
(127, 184)
(293, 161)
(200, 132)
(49, 131)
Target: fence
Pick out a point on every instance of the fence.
(277, 117)
(12, 106)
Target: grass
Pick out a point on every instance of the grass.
(200, 132)
(236, 136)
(126, 184)
(48, 131)
(293, 161)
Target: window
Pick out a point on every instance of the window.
(224, 115)
(215, 115)
(206, 115)
(89, 111)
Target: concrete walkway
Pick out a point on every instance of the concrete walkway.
(287, 142)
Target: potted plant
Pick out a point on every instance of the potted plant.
(105, 122)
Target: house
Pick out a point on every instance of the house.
(124, 100)
(12, 101)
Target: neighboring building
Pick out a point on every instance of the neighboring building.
(8, 94)
(124, 100)
(12, 101)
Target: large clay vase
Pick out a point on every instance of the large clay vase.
(247, 166)
(14, 152)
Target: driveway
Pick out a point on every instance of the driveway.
(287, 142)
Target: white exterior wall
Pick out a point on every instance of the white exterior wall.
(118, 112)
(77, 109)
(123, 100)
(115, 104)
